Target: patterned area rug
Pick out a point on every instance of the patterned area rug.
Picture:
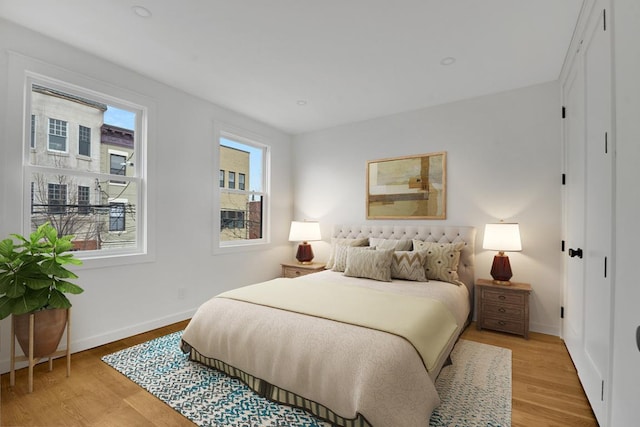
(475, 390)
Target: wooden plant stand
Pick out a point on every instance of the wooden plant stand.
(33, 360)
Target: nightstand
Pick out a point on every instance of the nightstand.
(503, 308)
(295, 269)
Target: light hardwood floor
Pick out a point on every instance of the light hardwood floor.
(546, 390)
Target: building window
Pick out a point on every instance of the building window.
(84, 141)
(83, 200)
(243, 203)
(88, 200)
(57, 197)
(232, 180)
(221, 178)
(232, 220)
(33, 132)
(57, 135)
(116, 217)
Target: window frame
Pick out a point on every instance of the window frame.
(81, 142)
(145, 110)
(242, 136)
(51, 121)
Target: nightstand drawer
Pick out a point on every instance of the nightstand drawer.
(516, 298)
(504, 325)
(503, 311)
(295, 272)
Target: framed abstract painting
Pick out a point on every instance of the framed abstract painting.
(410, 187)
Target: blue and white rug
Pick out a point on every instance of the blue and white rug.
(475, 390)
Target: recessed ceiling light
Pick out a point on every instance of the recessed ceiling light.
(448, 60)
(141, 11)
(301, 102)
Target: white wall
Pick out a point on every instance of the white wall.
(125, 300)
(626, 356)
(503, 162)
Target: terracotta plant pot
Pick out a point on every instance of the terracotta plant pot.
(48, 329)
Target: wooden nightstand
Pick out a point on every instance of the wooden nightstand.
(503, 307)
(295, 269)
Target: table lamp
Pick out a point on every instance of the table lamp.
(304, 231)
(502, 237)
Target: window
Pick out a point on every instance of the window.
(232, 180)
(242, 203)
(57, 198)
(57, 135)
(83, 200)
(116, 217)
(84, 141)
(33, 131)
(98, 202)
(221, 178)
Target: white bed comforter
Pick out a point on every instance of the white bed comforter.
(349, 369)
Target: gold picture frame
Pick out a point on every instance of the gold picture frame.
(409, 187)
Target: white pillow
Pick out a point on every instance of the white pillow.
(442, 260)
(409, 265)
(374, 265)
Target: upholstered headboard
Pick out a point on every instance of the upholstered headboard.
(433, 233)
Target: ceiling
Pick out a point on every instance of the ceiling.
(303, 65)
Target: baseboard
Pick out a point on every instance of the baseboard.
(98, 340)
(544, 329)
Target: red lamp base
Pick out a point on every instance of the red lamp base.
(305, 253)
(501, 269)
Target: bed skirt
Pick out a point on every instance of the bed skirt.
(275, 393)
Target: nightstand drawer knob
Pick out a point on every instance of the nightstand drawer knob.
(297, 273)
(502, 323)
(502, 310)
(502, 297)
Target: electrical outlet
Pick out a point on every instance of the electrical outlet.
(182, 293)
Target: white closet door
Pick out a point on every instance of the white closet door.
(589, 207)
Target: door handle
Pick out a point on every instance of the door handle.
(575, 253)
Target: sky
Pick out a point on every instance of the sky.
(121, 118)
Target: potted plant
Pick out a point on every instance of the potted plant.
(33, 280)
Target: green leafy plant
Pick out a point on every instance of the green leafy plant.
(32, 272)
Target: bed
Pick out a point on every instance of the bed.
(353, 351)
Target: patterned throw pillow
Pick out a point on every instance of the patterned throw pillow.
(346, 242)
(442, 259)
(374, 264)
(342, 251)
(409, 265)
(395, 244)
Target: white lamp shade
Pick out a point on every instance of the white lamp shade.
(304, 231)
(502, 237)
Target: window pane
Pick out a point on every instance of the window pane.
(84, 141)
(240, 217)
(91, 143)
(87, 208)
(221, 178)
(242, 210)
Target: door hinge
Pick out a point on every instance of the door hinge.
(606, 143)
(604, 19)
(605, 267)
(602, 392)
(564, 179)
(561, 312)
(562, 247)
(564, 112)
